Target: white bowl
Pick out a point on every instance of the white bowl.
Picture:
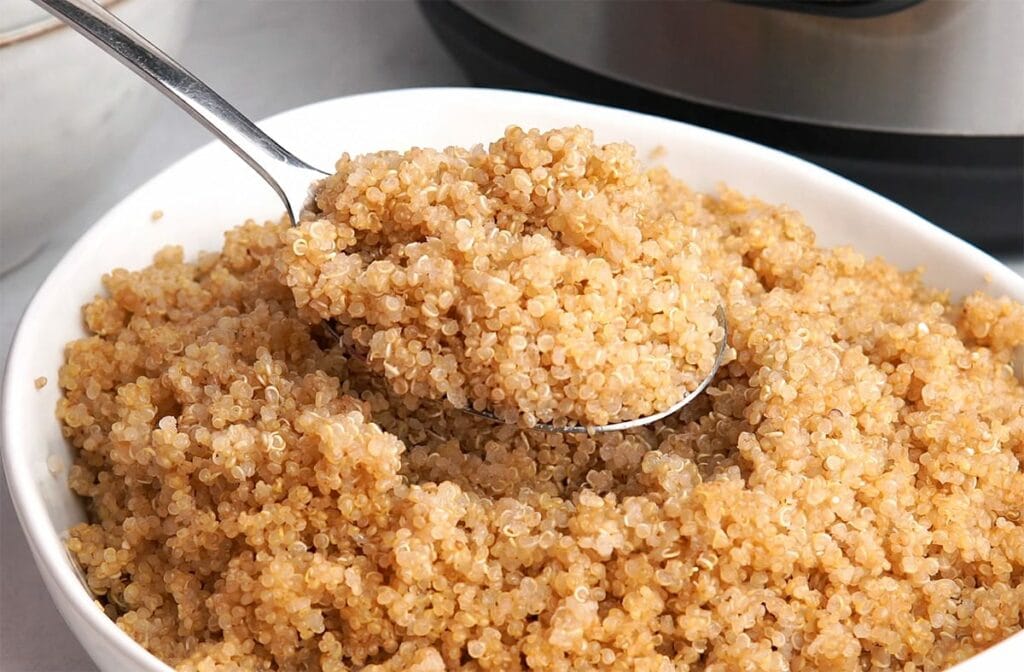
(211, 190)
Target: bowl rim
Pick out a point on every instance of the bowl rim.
(45, 541)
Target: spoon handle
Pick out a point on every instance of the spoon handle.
(289, 176)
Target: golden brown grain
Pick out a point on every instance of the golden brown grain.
(540, 279)
(55, 464)
(846, 496)
(40, 382)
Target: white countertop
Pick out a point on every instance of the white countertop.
(346, 47)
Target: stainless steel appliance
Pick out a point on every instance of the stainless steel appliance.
(922, 100)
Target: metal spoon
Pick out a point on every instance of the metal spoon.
(292, 178)
(289, 176)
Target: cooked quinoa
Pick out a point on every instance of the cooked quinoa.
(540, 279)
(847, 494)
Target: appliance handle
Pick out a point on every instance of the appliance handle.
(842, 9)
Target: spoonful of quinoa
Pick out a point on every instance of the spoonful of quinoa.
(543, 281)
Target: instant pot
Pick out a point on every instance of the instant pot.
(920, 100)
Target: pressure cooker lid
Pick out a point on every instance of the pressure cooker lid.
(907, 66)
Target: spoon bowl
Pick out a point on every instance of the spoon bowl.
(647, 419)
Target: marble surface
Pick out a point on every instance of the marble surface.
(265, 56)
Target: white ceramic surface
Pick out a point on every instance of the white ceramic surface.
(211, 191)
(68, 110)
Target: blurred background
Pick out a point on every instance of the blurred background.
(921, 100)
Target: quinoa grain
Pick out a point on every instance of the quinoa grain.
(847, 494)
(449, 270)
